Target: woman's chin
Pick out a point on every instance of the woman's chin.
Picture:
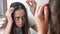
(20, 26)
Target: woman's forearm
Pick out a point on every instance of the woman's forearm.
(8, 27)
(10, 21)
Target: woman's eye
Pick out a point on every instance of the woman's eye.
(17, 17)
(24, 16)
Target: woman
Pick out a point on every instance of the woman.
(17, 19)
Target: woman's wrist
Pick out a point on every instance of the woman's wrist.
(9, 19)
(42, 30)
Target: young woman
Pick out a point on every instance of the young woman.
(17, 20)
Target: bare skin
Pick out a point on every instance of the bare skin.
(10, 22)
(19, 18)
(19, 13)
(32, 4)
(42, 19)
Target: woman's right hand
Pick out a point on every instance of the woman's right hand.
(42, 19)
(10, 21)
(8, 14)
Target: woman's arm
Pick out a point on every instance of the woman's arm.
(10, 21)
(32, 5)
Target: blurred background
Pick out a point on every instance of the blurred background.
(5, 4)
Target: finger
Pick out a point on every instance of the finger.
(11, 9)
(36, 12)
(11, 12)
(33, 1)
(46, 13)
(41, 12)
(29, 3)
(41, 9)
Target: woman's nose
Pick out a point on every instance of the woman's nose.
(20, 20)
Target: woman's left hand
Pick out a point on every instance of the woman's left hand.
(32, 5)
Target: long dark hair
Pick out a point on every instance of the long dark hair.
(54, 6)
(19, 6)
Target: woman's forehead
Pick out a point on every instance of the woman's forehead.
(19, 12)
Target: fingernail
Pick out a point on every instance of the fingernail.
(46, 7)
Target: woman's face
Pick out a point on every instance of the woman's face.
(20, 18)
